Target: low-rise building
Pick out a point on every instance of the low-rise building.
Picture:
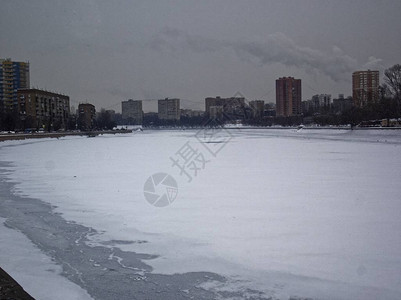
(391, 122)
(86, 116)
(257, 108)
(231, 108)
(216, 111)
(342, 104)
(43, 109)
(270, 110)
(324, 100)
(131, 111)
(318, 103)
(191, 113)
(169, 109)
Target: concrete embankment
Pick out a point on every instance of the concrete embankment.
(37, 135)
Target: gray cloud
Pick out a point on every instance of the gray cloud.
(276, 48)
(100, 51)
(374, 63)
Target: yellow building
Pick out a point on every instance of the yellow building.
(38, 109)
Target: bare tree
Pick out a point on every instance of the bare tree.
(104, 120)
(392, 78)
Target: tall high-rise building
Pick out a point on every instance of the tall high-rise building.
(13, 76)
(131, 112)
(169, 109)
(365, 87)
(288, 97)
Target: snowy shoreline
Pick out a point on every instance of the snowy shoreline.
(23, 136)
(43, 135)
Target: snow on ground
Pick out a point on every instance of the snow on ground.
(271, 206)
(34, 271)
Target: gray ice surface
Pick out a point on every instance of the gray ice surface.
(106, 272)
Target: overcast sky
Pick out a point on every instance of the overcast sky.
(104, 52)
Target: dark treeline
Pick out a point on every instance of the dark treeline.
(104, 121)
(8, 121)
(185, 121)
(384, 109)
(11, 121)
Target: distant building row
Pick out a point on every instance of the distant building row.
(233, 108)
(39, 108)
(365, 90)
(324, 103)
(35, 108)
(168, 109)
(288, 103)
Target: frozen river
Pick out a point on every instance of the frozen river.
(254, 213)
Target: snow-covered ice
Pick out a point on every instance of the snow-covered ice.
(313, 213)
(36, 272)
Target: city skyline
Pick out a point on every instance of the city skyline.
(104, 53)
(185, 107)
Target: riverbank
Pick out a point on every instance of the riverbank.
(10, 289)
(37, 135)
